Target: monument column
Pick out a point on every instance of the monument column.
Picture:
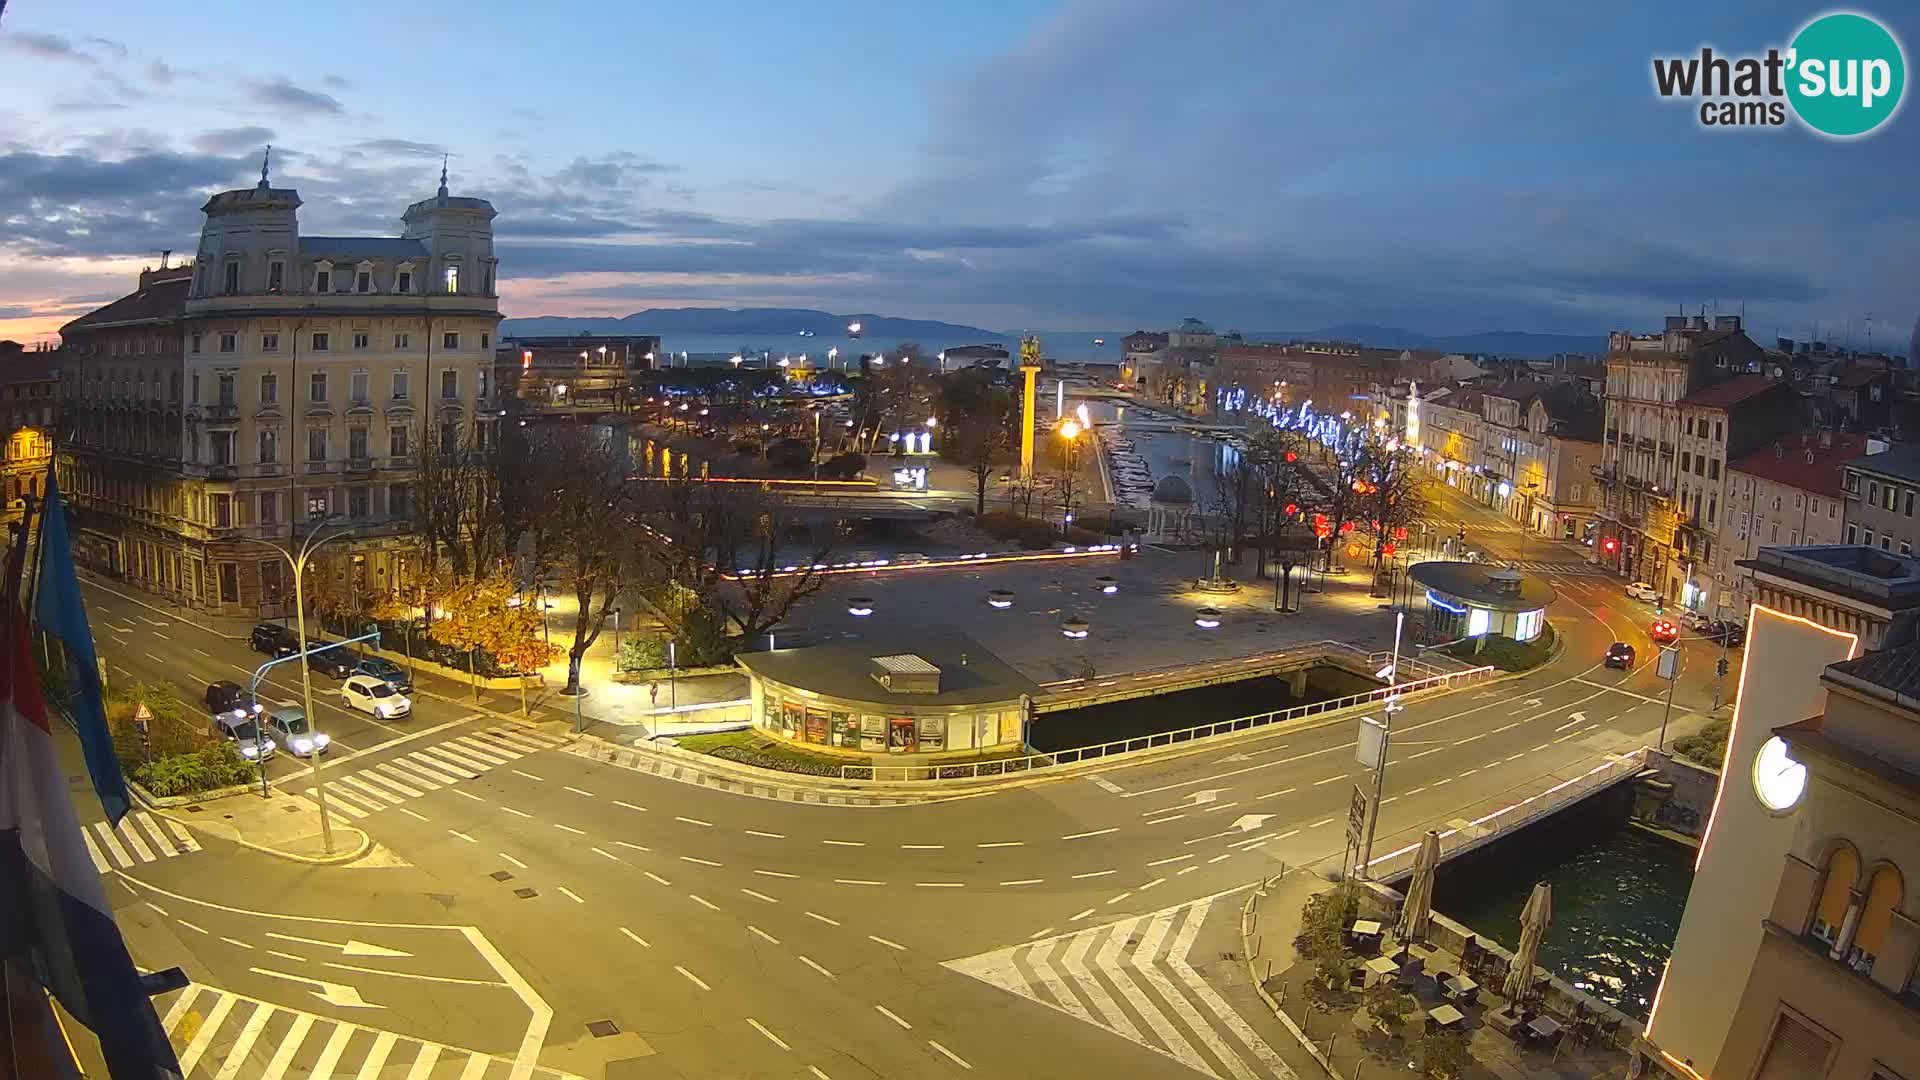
(1029, 369)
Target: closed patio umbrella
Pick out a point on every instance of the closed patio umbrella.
(1533, 926)
(1417, 913)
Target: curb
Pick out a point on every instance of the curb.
(1246, 951)
(338, 858)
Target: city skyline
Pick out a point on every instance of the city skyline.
(1073, 165)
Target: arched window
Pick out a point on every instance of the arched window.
(451, 276)
(1843, 869)
(1884, 890)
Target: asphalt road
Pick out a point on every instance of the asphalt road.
(523, 892)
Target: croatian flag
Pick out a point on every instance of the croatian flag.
(60, 612)
(56, 926)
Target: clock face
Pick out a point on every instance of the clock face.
(1778, 780)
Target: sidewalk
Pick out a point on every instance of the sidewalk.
(1332, 1033)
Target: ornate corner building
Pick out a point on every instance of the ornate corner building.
(276, 381)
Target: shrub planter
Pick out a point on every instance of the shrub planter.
(166, 802)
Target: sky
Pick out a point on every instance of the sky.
(1446, 168)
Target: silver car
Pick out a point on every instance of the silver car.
(290, 728)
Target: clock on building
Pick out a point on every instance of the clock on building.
(1778, 780)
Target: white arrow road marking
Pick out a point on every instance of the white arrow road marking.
(1249, 822)
(1206, 795)
(1572, 719)
(347, 948)
(330, 992)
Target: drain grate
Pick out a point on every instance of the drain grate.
(526, 894)
(501, 875)
(601, 1029)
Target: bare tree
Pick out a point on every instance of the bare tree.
(976, 427)
(465, 506)
(749, 533)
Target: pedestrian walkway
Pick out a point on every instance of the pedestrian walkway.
(1565, 569)
(660, 763)
(221, 1035)
(139, 838)
(375, 787)
(1133, 978)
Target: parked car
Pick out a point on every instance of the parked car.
(1640, 590)
(274, 640)
(1663, 632)
(1727, 632)
(1694, 620)
(1620, 655)
(386, 671)
(225, 697)
(331, 659)
(370, 695)
(241, 728)
(290, 729)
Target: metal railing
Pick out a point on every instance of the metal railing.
(1202, 667)
(1031, 763)
(1514, 815)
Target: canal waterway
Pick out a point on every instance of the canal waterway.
(1161, 713)
(1618, 893)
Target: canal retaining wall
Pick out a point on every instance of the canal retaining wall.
(1681, 799)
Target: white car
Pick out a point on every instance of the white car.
(290, 729)
(1640, 590)
(371, 695)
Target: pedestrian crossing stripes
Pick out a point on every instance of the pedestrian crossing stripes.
(1132, 978)
(221, 1035)
(377, 786)
(1566, 569)
(139, 838)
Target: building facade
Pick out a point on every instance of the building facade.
(1719, 423)
(30, 413)
(1647, 376)
(584, 374)
(1880, 492)
(1788, 493)
(280, 381)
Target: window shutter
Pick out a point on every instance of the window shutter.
(1796, 1052)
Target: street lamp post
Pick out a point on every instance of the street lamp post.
(299, 564)
(1386, 740)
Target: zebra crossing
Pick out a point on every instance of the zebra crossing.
(1133, 979)
(221, 1035)
(375, 787)
(1565, 569)
(139, 838)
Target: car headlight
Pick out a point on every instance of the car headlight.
(302, 746)
(322, 740)
(406, 703)
(379, 710)
(249, 751)
(270, 745)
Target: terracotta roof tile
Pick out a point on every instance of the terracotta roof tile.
(1730, 392)
(1824, 475)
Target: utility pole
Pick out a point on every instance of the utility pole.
(1668, 668)
(1386, 739)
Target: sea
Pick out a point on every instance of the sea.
(769, 349)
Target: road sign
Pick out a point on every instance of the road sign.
(1669, 663)
(1372, 744)
(142, 716)
(1357, 817)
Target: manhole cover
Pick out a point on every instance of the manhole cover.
(502, 875)
(600, 1029)
(291, 809)
(195, 808)
(526, 894)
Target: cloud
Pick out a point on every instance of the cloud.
(281, 94)
(237, 140)
(17, 312)
(159, 71)
(107, 45)
(76, 205)
(399, 148)
(336, 82)
(49, 47)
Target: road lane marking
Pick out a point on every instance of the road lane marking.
(856, 881)
(695, 821)
(767, 835)
(656, 877)
(1217, 858)
(761, 896)
(1003, 843)
(1322, 821)
(1176, 858)
(604, 853)
(775, 873)
(1120, 897)
(577, 791)
(1468, 739)
(569, 828)
(817, 1074)
(411, 814)
(889, 944)
(845, 843)
(1036, 935)
(702, 862)
(922, 847)
(236, 942)
(629, 806)
(1095, 832)
(1331, 779)
(1416, 791)
(815, 966)
(528, 775)
(771, 1037)
(1082, 915)
(286, 956)
(511, 859)
(466, 795)
(157, 908)
(1094, 874)
(190, 926)
(703, 901)
(1164, 820)
(691, 977)
(762, 935)
(1277, 794)
(1424, 753)
(823, 918)
(1025, 881)
(939, 884)
(893, 1016)
(636, 847)
(635, 938)
(950, 1055)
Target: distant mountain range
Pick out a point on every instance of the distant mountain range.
(790, 322)
(747, 322)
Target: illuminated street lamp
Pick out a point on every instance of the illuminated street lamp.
(1000, 598)
(1074, 627)
(1207, 618)
(735, 361)
(860, 606)
(853, 329)
(1108, 584)
(831, 353)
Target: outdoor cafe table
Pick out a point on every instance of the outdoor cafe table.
(1382, 968)
(1544, 1026)
(1446, 1016)
(1366, 928)
(1460, 986)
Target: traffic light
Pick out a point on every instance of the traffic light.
(1720, 668)
(1610, 545)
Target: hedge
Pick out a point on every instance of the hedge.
(216, 765)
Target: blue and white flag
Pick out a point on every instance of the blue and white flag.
(58, 610)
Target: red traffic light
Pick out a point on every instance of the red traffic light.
(1292, 509)
(1292, 457)
(1610, 546)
